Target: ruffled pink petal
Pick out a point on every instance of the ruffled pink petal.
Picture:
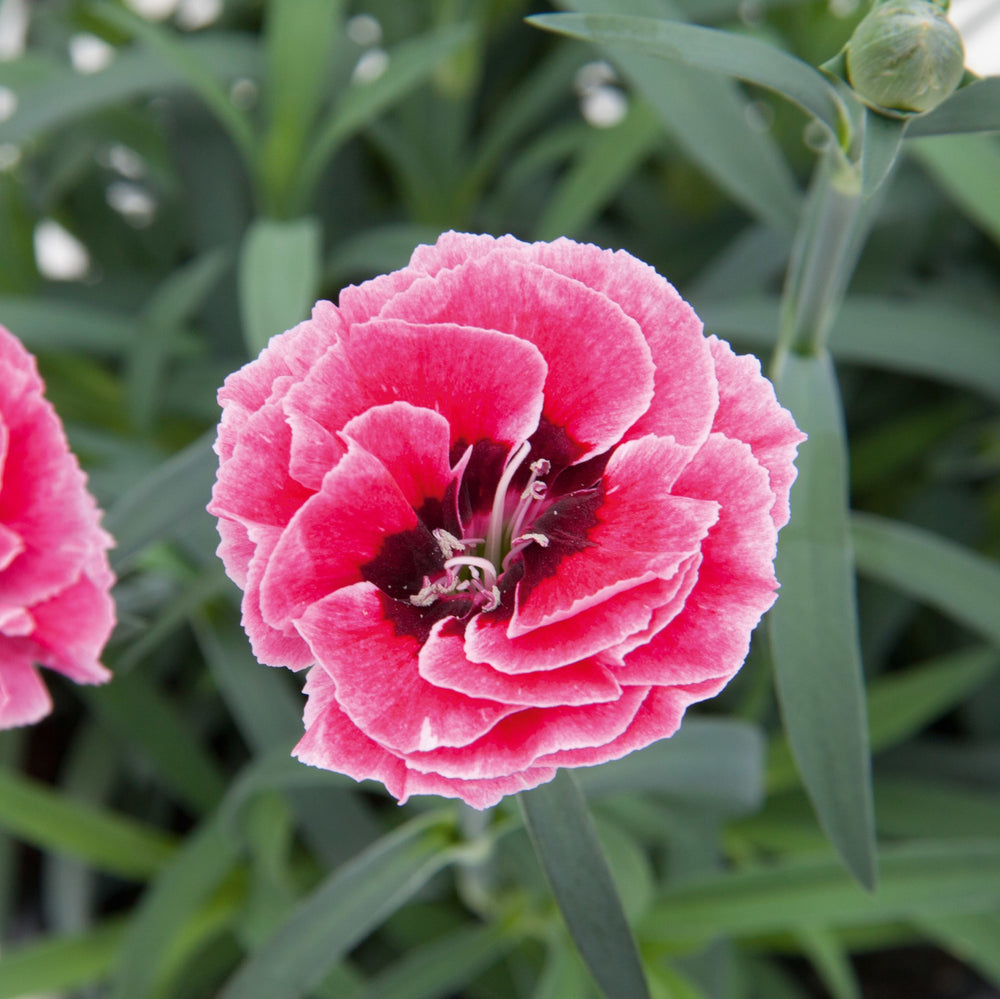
(235, 549)
(442, 662)
(643, 532)
(272, 646)
(23, 697)
(487, 385)
(374, 669)
(313, 451)
(659, 717)
(476, 793)
(412, 444)
(11, 545)
(749, 411)
(338, 533)
(594, 404)
(590, 633)
(516, 742)
(711, 636)
(72, 627)
(290, 353)
(43, 499)
(685, 395)
(254, 485)
(333, 742)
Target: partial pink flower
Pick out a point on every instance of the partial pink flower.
(55, 605)
(509, 506)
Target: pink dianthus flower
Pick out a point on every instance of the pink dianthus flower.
(509, 506)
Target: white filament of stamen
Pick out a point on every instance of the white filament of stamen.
(494, 534)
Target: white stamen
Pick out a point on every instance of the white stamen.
(473, 563)
(494, 534)
(448, 543)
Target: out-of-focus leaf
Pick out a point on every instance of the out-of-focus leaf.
(110, 842)
(299, 42)
(934, 339)
(955, 580)
(441, 968)
(71, 326)
(61, 95)
(567, 846)
(712, 761)
(921, 809)
(881, 144)
(195, 871)
(901, 704)
(152, 725)
(164, 502)
(58, 963)
(952, 877)
(279, 275)
(605, 163)
(201, 77)
(709, 117)
(708, 48)
(410, 63)
(972, 938)
(564, 973)
(975, 108)
(830, 961)
(966, 167)
(342, 911)
(813, 626)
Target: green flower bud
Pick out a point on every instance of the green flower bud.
(905, 56)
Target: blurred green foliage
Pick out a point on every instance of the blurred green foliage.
(156, 839)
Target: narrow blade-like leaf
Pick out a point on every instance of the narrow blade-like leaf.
(571, 856)
(880, 147)
(975, 108)
(814, 634)
(343, 910)
(708, 48)
(955, 580)
(279, 275)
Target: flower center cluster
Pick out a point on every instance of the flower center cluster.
(474, 565)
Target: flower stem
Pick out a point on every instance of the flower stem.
(475, 875)
(826, 249)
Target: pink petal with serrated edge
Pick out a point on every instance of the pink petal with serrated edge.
(374, 669)
(442, 661)
(23, 697)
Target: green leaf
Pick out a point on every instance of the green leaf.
(975, 108)
(60, 95)
(45, 325)
(901, 704)
(922, 809)
(154, 729)
(972, 938)
(567, 846)
(883, 138)
(830, 961)
(163, 503)
(955, 580)
(342, 911)
(714, 762)
(196, 870)
(813, 625)
(951, 877)
(35, 813)
(966, 168)
(606, 161)
(409, 64)
(279, 275)
(932, 338)
(708, 48)
(299, 42)
(60, 963)
(190, 65)
(441, 968)
(708, 116)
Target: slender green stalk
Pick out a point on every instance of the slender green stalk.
(823, 257)
(474, 874)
